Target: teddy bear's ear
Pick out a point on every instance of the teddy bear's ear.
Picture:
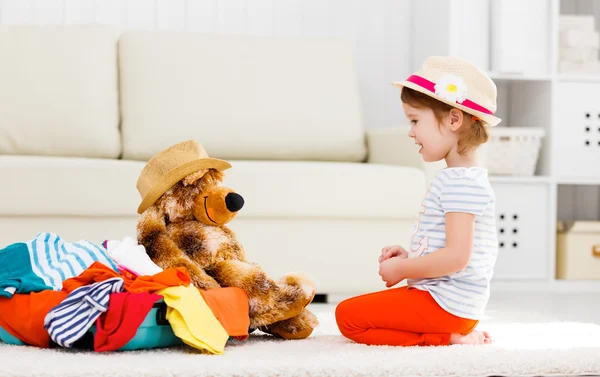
(151, 223)
(194, 177)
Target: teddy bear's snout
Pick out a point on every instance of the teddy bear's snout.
(234, 202)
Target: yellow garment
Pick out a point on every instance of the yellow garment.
(192, 320)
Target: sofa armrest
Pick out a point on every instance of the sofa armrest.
(392, 146)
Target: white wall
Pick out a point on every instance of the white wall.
(379, 30)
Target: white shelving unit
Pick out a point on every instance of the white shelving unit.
(523, 50)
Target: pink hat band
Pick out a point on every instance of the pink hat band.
(426, 84)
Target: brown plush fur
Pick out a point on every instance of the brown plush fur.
(186, 227)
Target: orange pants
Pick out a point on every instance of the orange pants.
(399, 317)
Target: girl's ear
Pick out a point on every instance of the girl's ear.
(456, 118)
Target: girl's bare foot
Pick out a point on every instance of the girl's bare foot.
(475, 337)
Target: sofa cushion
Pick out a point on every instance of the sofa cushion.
(244, 97)
(68, 186)
(274, 189)
(59, 91)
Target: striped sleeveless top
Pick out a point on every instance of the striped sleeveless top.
(466, 292)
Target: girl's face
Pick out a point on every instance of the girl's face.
(436, 139)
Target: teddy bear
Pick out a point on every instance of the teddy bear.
(184, 212)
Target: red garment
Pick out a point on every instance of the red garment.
(230, 306)
(119, 324)
(171, 277)
(97, 272)
(399, 317)
(22, 316)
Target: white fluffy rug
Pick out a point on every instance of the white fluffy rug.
(536, 348)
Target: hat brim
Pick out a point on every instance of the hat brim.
(490, 120)
(177, 174)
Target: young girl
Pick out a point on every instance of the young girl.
(450, 261)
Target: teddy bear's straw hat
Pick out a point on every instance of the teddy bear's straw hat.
(458, 83)
(170, 166)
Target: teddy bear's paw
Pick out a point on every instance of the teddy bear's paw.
(298, 327)
(201, 280)
(305, 282)
(204, 284)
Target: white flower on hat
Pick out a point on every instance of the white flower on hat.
(451, 88)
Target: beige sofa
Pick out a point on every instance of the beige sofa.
(83, 107)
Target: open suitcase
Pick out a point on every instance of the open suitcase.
(154, 332)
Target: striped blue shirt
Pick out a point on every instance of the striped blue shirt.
(466, 292)
(68, 322)
(54, 260)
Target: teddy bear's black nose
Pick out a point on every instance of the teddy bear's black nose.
(234, 202)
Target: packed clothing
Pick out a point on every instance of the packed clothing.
(59, 294)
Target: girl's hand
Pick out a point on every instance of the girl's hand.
(391, 271)
(391, 252)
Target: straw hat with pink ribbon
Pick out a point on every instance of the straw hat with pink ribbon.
(458, 83)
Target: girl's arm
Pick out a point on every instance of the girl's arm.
(460, 230)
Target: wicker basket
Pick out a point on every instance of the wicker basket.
(514, 150)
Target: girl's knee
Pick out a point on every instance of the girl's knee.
(343, 313)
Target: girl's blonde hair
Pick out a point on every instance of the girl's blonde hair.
(472, 131)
